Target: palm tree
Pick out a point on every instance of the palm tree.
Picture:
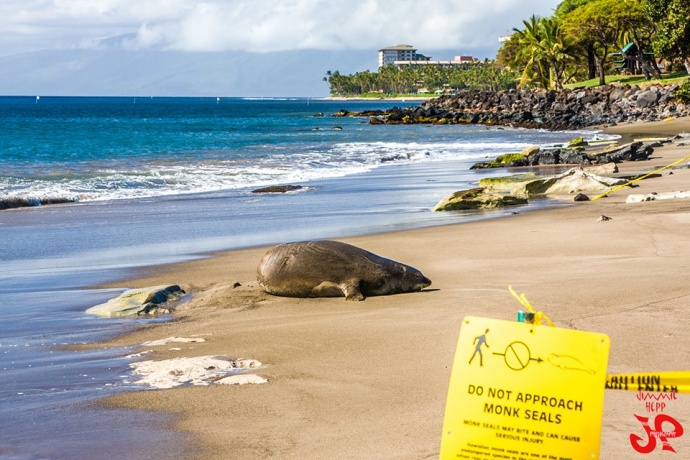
(554, 49)
(542, 50)
(530, 52)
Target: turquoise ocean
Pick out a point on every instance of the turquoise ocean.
(147, 181)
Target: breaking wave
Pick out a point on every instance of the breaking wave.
(175, 178)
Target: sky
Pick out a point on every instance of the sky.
(182, 28)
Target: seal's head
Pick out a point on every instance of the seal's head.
(400, 278)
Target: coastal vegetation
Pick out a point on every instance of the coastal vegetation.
(428, 80)
(584, 42)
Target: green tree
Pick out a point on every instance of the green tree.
(542, 52)
(566, 6)
(672, 36)
(580, 46)
(555, 50)
(603, 22)
(407, 80)
(507, 53)
(528, 52)
(637, 28)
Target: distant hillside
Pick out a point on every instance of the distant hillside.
(111, 70)
(117, 72)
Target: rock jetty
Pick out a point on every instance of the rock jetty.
(554, 110)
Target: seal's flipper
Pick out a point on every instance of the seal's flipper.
(351, 291)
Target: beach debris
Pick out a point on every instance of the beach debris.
(603, 218)
(156, 343)
(200, 370)
(638, 198)
(478, 198)
(581, 197)
(236, 284)
(144, 301)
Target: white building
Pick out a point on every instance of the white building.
(406, 55)
(505, 38)
(458, 60)
(399, 53)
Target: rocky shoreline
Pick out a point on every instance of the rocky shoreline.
(541, 109)
(565, 110)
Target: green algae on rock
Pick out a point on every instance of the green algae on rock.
(477, 198)
(135, 302)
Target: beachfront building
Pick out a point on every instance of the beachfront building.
(406, 55)
(458, 60)
(399, 53)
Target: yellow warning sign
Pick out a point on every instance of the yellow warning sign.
(522, 391)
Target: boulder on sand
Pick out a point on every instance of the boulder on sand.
(574, 180)
(477, 198)
(136, 302)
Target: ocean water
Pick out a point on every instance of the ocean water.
(156, 180)
(90, 149)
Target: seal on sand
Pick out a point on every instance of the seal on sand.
(333, 269)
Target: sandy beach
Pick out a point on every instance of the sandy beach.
(369, 380)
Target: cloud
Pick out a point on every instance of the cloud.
(262, 25)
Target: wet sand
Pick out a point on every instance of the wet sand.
(368, 380)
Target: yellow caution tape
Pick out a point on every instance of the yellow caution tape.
(615, 189)
(538, 315)
(651, 382)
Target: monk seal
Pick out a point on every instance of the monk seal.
(333, 269)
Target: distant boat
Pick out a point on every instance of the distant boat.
(37, 98)
(217, 100)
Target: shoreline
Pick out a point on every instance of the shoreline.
(380, 99)
(369, 379)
